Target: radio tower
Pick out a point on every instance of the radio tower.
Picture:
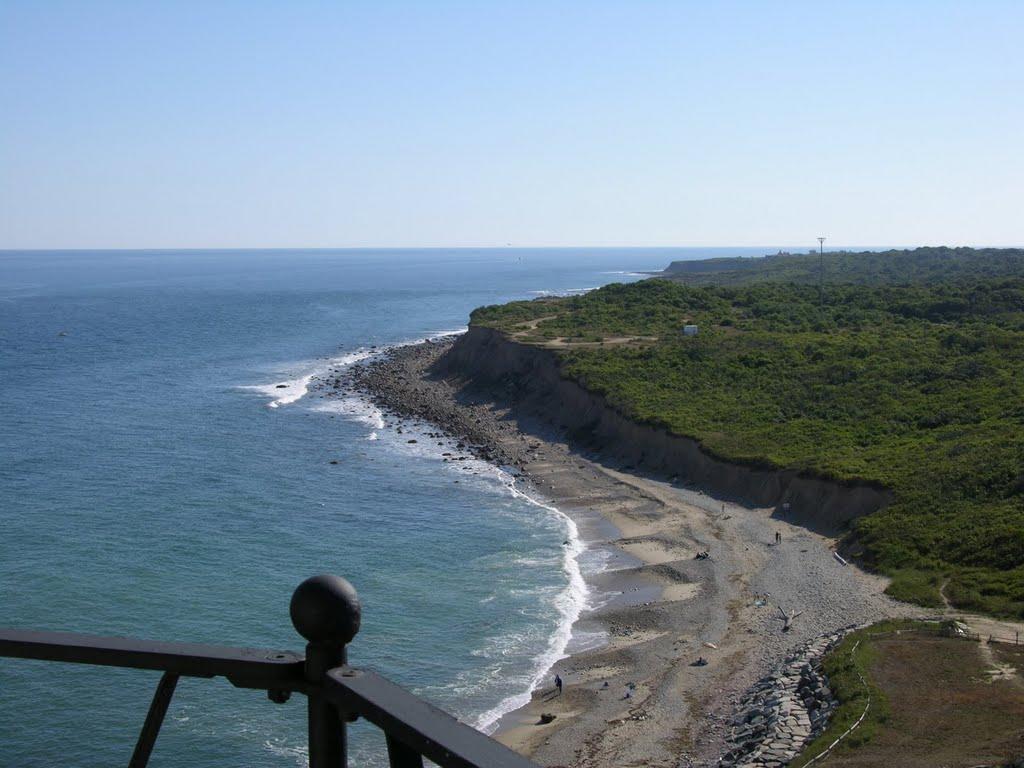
(821, 270)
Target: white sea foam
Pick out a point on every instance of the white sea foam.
(565, 291)
(444, 334)
(569, 602)
(288, 391)
(359, 409)
(283, 392)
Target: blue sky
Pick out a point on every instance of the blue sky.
(220, 124)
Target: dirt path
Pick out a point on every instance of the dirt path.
(529, 327)
(985, 626)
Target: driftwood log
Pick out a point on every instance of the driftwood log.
(788, 618)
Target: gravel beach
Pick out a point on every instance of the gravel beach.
(639, 699)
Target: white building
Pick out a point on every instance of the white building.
(689, 330)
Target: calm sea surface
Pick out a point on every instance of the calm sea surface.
(156, 481)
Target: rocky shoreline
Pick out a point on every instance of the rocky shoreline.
(394, 381)
(673, 713)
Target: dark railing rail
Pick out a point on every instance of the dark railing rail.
(326, 612)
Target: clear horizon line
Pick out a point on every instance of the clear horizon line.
(171, 249)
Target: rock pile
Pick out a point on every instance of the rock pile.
(394, 380)
(784, 711)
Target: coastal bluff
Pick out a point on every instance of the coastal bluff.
(531, 378)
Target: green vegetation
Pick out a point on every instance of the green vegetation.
(916, 388)
(921, 265)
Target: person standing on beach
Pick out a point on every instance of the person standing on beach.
(558, 684)
(778, 537)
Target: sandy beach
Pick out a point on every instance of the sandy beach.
(639, 700)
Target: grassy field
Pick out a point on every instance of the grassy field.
(934, 701)
(917, 388)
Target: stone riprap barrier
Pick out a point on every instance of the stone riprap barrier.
(784, 711)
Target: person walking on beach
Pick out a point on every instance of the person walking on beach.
(778, 537)
(558, 684)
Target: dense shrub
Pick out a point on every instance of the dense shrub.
(919, 388)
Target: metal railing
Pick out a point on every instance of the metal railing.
(325, 610)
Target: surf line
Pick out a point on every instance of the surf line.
(570, 604)
(289, 391)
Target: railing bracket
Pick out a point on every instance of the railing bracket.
(278, 696)
(154, 719)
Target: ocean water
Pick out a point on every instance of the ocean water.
(156, 480)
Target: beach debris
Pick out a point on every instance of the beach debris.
(839, 557)
(702, 556)
(788, 617)
(700, 662)
(545, 718)
(710, 645)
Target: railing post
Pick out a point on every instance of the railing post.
(325, 610)
(154, 719)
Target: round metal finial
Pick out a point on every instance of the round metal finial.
(325, 609)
